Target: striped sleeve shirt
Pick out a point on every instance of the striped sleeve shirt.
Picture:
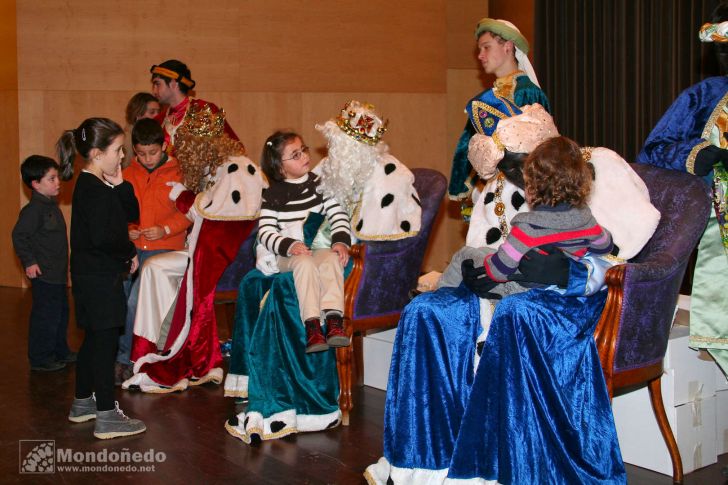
(572, 230)
(287, 204)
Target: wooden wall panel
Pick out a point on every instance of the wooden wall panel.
(462, 17)
(103, 46)
(11, 186)
(349, 45)
(269, 64)
(11, 273)
(256, 46)
(520, 13)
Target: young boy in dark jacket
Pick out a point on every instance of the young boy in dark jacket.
(41, 243)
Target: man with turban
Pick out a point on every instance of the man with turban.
(503, 52)
(171, 85)
(692, 137)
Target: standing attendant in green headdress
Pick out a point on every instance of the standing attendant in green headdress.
(503, 52)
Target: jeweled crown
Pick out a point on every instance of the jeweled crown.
(201, 121)
(359, 121)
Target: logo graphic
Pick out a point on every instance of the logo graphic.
(37, 456)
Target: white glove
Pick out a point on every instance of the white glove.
(177, 188)
(265, 261)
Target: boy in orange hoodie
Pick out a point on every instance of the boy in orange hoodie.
(161, 227)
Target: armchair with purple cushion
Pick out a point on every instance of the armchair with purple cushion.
(633, 331)
(384, 272)
(226, 292)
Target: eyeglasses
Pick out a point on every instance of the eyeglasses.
(297, 154)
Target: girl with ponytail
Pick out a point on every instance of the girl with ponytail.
(101, 257)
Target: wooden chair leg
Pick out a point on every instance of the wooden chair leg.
(658, 407)
(343, 365)
(357, 343)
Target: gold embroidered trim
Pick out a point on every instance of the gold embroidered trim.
(586, 153)
(690, 163)
(507, 102)
(499, 208)
(205, 379)
(272, 436)
(468, 184)
(236, 433)
(506, 86)
(714, 116)
(369, 478)
(496, 139)
(479, 106)
(712, 340)
(614, 259)
(229, 393)
(213, 217)
(163, 389)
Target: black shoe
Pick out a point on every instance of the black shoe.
(70, 358)
(48, 367)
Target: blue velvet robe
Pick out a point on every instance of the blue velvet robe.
(692, 123)
(678, 136)
(536, 411)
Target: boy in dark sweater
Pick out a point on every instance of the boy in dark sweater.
(41, 243)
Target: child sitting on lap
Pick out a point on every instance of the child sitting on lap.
(318, 274)
(557, 183)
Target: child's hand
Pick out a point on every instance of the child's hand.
(298, 249)
(134, 264)
(342, 251)
(153, 233)
(134, 234)
(33, 271)
(115, 178)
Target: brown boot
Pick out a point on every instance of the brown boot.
(315, 341)
(335, 334)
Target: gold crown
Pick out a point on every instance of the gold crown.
(359, 121)
(201, 121)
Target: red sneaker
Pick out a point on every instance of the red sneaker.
(335, 334)
(315, 341)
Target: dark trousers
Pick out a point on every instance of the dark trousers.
(95, 366)
(48, 323)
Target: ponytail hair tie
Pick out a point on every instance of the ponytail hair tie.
(83, 134)
(269, 143)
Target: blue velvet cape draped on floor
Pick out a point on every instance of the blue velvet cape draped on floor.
(537, 411)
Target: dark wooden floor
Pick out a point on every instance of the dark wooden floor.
(188, 428)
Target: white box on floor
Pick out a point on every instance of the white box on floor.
(693, 425)
(688, 375)
(721, 414)
(377, 350)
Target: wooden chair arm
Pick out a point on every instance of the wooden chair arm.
(607, 328)
(351, 284)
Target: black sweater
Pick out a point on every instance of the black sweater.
(99, 235)
(39, 237)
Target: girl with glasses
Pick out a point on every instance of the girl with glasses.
(292, 207)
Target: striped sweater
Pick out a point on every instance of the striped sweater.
(287, 204)
(572, 230)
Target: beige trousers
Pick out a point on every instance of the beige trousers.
(319, 281)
